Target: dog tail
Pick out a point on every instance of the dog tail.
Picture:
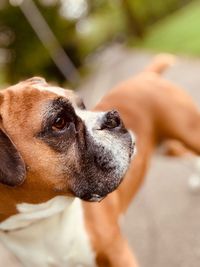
(161, 63)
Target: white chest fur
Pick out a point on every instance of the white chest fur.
(49, 234)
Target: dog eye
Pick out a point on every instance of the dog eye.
(60, 123)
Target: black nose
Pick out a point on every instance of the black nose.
(111, 120)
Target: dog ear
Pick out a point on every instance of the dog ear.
(12, 166)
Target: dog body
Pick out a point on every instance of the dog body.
(155, 110)
(151, 107)
(70, 154)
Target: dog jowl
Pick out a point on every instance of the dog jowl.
(64, 148)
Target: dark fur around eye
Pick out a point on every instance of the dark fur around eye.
(59, 139)
(59, 108)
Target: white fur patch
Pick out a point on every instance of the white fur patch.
(52, 234)
(104, 138)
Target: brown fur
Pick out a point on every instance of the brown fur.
(39, 180)
(155, 110)
(51, 161)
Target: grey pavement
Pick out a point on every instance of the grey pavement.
(163, 222)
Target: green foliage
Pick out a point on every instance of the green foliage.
(29, 56)
(178, 33)
(147, 12)
(103, 26)
(104, 21)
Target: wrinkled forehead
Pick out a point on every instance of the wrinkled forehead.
(30, 99)
(55, 90)
(42, 86)
(36, 89)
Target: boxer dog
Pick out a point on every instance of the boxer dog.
(54, 153)
(53, 150)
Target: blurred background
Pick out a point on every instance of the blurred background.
(54, 38)
(90, 45)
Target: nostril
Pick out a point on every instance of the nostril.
(111, 120)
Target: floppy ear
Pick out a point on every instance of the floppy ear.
(12, 166)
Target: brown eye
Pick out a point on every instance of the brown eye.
(59, 123)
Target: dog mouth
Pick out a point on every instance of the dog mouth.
(132, 146)
(96, 198)
(132, 151)
(107, 170)
(104, 159)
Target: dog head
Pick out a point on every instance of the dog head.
(51, 145)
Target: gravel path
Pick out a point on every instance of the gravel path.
(162, 224)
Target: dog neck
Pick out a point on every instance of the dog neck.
(49, 234)
(31, 213)
(14, 196)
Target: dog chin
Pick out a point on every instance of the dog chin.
(104, 181)
(96, 198)
(109, 167)
(103, 164)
